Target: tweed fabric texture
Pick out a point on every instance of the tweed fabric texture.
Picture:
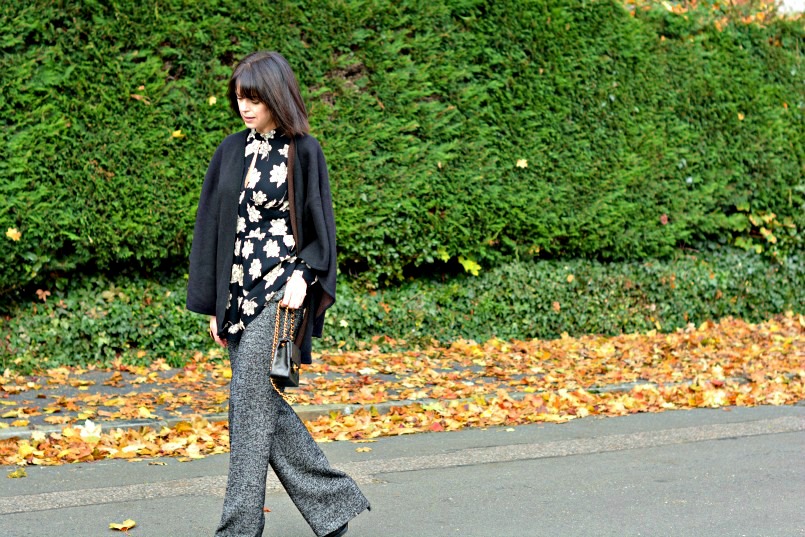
(264, 430)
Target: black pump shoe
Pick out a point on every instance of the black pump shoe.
(339, 532)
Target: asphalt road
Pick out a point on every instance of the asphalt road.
(700, 473)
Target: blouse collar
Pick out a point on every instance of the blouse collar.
(254, 135)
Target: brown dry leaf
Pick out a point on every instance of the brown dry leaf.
(140, 98)
(436, 388)
(42, 294)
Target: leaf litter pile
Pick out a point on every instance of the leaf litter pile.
(92, 414)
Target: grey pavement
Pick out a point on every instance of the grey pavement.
(719, 472)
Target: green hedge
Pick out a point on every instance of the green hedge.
(641, 131)
(95, 321)
(545, 299)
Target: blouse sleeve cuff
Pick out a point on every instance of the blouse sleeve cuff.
(306, 272)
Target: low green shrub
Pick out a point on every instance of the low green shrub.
(548, 298)
(97, 320)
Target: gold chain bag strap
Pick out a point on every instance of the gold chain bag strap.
(287, 357)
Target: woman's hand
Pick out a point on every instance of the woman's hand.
(295, 291)
(214, 332)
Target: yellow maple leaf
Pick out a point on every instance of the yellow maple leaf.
(177, 134)
(17, 474)
(24, 449)
(522, 163)
(13, 234)
(212, 100)
(126, 525)
(469, 265)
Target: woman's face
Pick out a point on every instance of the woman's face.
(256, 115)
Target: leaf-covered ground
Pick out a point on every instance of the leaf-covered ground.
(438, 388)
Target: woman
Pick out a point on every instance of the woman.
(265, 238)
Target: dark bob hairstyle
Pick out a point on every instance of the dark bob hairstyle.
(266, 77)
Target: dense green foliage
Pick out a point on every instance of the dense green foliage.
(95, 321)
(640, 132)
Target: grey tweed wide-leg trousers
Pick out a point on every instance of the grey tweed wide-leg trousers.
(264, 430)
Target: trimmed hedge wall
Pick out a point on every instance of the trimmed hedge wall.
(638, 131)
(96, 321)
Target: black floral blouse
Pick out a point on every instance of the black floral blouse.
(265, 251)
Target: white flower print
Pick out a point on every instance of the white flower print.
(265, 148)
(248, 249)
(266, 136)
(272, 276)
(255, 269)
(248, 307)
(254, 178)
(278, 174)
(263, 243)
(278, 227)
(258, 197)
(252, 146)
(254, 213)
(256, 234)
(237, 274)
(272, 248)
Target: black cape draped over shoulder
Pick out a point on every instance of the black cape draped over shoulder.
(213, 248)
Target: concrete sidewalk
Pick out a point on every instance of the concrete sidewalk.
(724, 472)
